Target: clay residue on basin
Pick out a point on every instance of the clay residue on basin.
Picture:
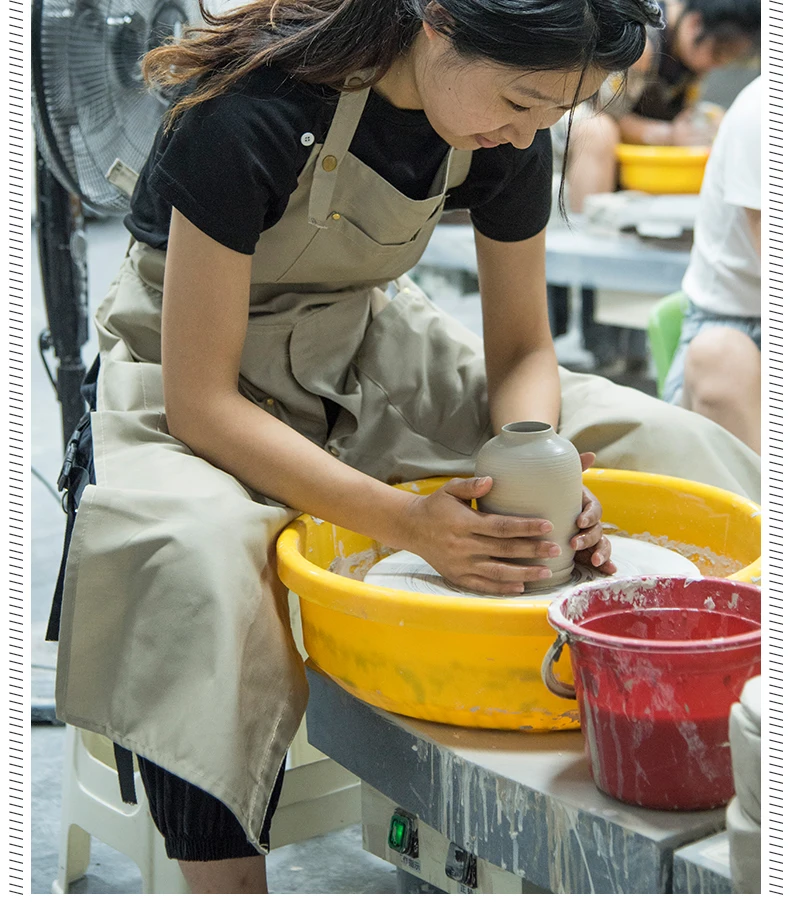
(357, 565)
(709, 563)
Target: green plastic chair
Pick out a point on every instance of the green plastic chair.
(663, 333)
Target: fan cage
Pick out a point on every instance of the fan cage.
(90, 104)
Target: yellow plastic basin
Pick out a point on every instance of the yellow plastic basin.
(476, 662)
(662, 170)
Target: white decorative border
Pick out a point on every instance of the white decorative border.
(775, 478)
(15, 239)
(15, 461)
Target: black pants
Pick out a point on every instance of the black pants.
(194, 824)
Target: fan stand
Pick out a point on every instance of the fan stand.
(64, 277)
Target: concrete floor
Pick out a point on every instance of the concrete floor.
(335, 863)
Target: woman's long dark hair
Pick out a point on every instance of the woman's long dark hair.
(325, 41)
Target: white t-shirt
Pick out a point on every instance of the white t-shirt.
(724, 272)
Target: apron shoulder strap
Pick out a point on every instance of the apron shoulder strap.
(341, 132)
(460, 163)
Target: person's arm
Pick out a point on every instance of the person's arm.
(521, 365)
(685, 130)
(637, 130)
(204, 323)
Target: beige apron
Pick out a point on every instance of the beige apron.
(175, 639)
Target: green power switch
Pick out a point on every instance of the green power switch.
(403, 833)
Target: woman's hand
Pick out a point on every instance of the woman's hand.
(693, 128)
(480, 552)
(592, 548)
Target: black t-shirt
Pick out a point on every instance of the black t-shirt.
(669, 83)
(230, 164)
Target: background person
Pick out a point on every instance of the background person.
(716, 368)
(658, 102)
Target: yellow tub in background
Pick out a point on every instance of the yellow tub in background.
(476, 662)
(662, 170)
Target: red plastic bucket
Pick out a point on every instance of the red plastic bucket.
(657, 664)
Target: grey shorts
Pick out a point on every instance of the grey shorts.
(695, 321)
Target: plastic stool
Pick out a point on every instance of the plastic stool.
(92, 808)
(663, 333)
(318, 797)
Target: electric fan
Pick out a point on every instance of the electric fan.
(91, 107)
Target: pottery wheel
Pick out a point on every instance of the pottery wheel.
(409, 572)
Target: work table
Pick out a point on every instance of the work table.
(524, 802)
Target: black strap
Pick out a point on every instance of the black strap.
(77, 471)
(75, 474)
(53, 625)
(124, 763)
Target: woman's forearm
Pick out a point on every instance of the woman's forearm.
(521, 366)
(637, 130)
(528, 391)
(273, 459)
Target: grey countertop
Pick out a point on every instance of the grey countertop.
(523, 801)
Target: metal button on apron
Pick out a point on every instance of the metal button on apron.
(329, 163)
(269, 401)
(335, 216)
(333, 451)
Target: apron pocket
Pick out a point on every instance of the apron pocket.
(361, 237)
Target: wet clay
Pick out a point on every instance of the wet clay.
(409, 572)
(537, 474)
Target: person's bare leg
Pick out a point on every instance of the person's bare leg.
(721, 380)
(592, 160)
(242, 875)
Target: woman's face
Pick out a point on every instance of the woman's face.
(482, 104)
(701, 53)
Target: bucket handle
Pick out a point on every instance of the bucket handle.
(552, 682)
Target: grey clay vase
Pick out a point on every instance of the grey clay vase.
(537, 474)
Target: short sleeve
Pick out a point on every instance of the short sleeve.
(521, 206)
(229, 161)
(742, 150)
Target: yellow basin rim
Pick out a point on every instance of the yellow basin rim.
(651, 155)
(467, 615)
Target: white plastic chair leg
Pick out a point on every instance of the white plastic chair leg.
(92, 807)
(74, 857)
(74, 851)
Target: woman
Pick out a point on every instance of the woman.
(659, 102)
(262, 352)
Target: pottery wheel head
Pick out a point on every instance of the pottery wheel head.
(408, 572)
